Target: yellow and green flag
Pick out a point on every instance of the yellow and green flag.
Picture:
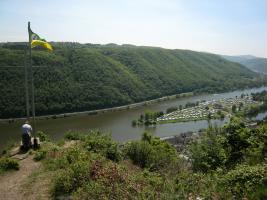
(36, 40)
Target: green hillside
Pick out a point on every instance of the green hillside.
(257, 64)
(251, 62)
(78, 77)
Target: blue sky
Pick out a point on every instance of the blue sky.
(231, 27)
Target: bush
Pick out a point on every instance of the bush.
(8, 164)
(151, 153)
(103, 144)
(74, 136)
(47, 148)
(247, 181)
(257, 150)
(75, 176)
(43, 137)
(134, 122)
(140, 153)
(207, 153)
(111, 181)
(40, 155)
(171, 109)
(9, 145)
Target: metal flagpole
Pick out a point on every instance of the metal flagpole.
(32, 81)
(26, 87)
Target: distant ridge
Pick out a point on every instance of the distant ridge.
(251, 62)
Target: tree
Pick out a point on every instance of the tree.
(134, 123)
(207, 153)
(209, 116)
(240, 105)
(234, 108)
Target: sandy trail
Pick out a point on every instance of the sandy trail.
(12, 184)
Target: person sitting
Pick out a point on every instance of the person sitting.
(26, 135)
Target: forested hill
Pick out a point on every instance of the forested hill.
(78, 77)
(251, 62)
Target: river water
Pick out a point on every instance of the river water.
(118, 123)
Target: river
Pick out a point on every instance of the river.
(118, 123)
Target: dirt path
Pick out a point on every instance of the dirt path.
(13, 184)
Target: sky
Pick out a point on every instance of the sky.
(229, 27)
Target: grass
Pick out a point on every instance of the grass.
(7, 164)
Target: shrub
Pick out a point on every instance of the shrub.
(134, 122)
(47, 148)
(73, 136)
(257, 150)
(40, 155)
(43, 137)
(151, 153)
(9, 145)
(111, 181)
(74, 171)
(103, 144)
(207, 152)
(8, 164)
(247, 181)
(63, 183)
(140, 153)
(171, 109)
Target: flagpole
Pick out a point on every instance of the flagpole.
(26, 87)
(32, 82)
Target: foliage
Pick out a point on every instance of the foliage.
(42, 136)
(247, 181)
(45, 149)
(171, 109)
(256, 151)
(103, 144)
(253, 63)
(80, 77)
(148, 118)
(151, 168)
(75, 172)
(81, 174)
(256, 109)
(8, 146)
(234, 108)
(191, 185)
(207, 153)
(151, 153)
(40, 155)
(226, 147)
(7, 164)
(70, 135)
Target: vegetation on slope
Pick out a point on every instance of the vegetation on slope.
(78, 77)
(222, 163)
(7, 164)
(253, 63)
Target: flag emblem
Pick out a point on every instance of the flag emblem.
(36, 40)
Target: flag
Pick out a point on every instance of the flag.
(36, 40)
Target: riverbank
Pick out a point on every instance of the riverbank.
(101, 111)
(115, 109)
